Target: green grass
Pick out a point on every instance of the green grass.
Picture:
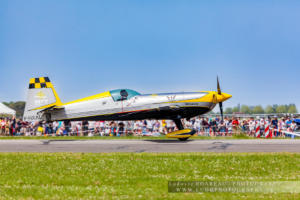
(138, 176)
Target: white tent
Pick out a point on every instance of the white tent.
(6, 110)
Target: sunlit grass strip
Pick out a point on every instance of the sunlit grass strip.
(137, 176)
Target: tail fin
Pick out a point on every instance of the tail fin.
(41, 95)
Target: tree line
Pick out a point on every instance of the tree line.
(286, 108)
(18, 106)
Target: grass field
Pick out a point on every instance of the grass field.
(138, 176)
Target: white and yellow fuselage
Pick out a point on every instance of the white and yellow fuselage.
(43, 103)
(158, 106)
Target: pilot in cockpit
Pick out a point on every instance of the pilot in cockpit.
(124, 95)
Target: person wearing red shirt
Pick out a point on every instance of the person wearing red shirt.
(235, 124)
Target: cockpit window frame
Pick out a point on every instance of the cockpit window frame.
(117, 96)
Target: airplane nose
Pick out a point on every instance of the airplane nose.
(223, 97)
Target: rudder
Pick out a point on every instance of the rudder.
(41, 95)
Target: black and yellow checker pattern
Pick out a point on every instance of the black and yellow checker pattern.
(42, 82)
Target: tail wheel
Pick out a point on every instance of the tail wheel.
(48, 117)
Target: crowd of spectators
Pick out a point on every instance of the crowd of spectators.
(204, 127)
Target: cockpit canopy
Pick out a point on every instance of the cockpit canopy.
(123, 94)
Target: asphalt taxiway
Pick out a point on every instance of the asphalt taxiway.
(99, 146)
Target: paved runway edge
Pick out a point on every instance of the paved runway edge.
(149, 141)
(106, 146)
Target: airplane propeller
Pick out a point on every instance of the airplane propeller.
(221, 103)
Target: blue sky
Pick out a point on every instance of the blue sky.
(87, 47)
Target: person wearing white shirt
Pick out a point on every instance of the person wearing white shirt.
(293, 126)
(252, 126)
(149, 126)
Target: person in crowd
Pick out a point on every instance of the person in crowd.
(188, 124)
(55, 127)
(164, 127)
(245, 126)
(107, 129)
(168, 126)
(85, 127)
(113, 128)
(274, 126)
(149, 125)
(202, 125)
(78, 129)
(29, 130)
(280, 127)
(40, 129)
(156, 126)
(293, 126)
(197, 125)
(2, 126)
(235, 125)
(205, 126)
(213, 125)
(135, 127)
(121, 131)
(68, 127)
(91, 128)
(262, 126)
(222, 128)
(252, 126)
(102, 126)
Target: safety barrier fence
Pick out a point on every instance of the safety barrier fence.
(259, 130)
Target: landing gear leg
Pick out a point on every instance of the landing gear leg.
(178, 124)
(180, 127)
(181, 134)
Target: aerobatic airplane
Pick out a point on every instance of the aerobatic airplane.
(43, 103)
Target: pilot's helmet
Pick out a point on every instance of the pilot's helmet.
(124, 93)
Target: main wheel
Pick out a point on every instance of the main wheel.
(183, 139)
